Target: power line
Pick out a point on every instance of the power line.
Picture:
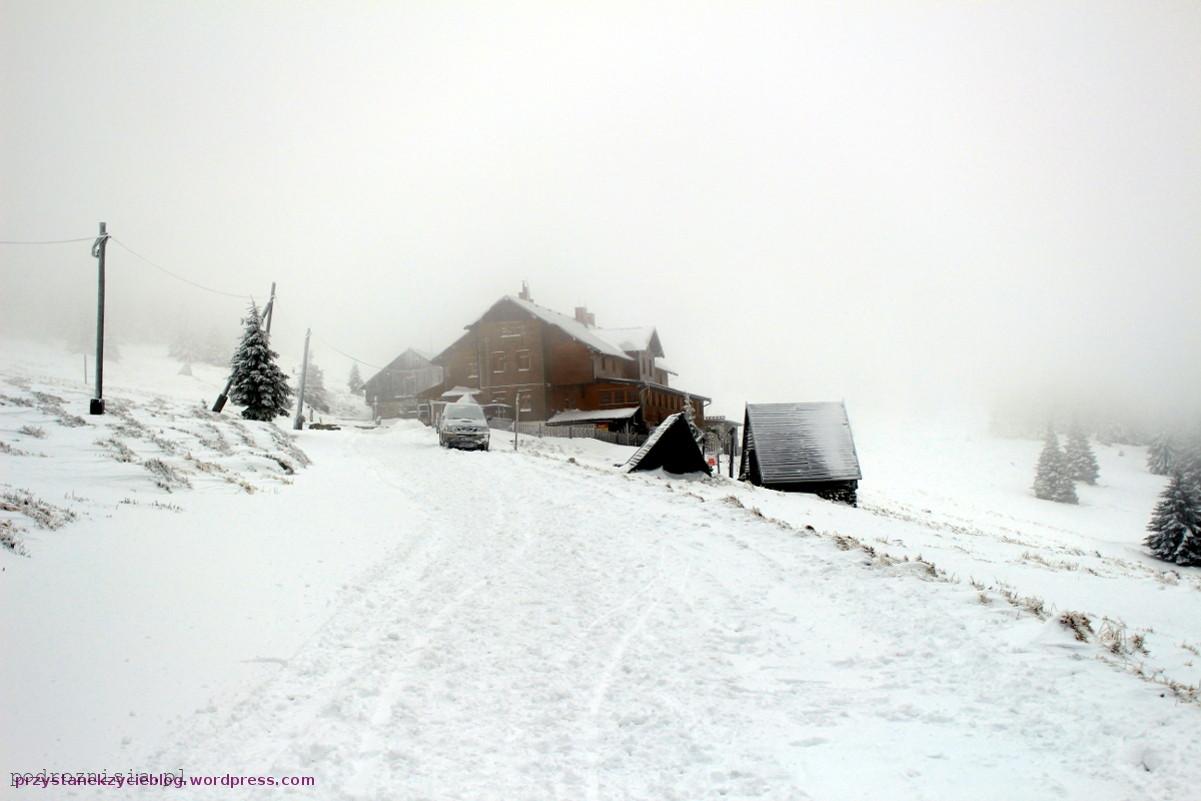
(352, 358)
(45, 241)
(174, 275)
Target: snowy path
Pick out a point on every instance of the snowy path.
(546, 631)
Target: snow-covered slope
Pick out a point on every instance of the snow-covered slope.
(401, 621)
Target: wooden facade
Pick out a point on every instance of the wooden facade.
(542, 362)
(392, 392)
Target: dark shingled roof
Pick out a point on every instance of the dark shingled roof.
(671, 447)
(801, 442)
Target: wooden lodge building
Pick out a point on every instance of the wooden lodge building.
(392, 392)
(562, 370)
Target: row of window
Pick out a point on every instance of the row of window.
(666, 399)
(608, 397)
(654, 397)
(500, 362)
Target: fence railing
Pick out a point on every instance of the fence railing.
(572, 432)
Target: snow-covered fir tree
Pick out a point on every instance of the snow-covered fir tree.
(1053, 479)
(355, 381)
(1161, 455)
(1176, 524)
(185, 348)
(1188, 462)
(316, 397)
(214, 348)
(1082, 462)
(690, 416)
(258, 383)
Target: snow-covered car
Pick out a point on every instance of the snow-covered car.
(463, 425)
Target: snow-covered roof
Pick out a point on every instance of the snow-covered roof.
(608, 341)
(402, 365)
(572, 416)
(628, 339)
(571, 326)
(662, 365)
(801, 442)
(458, 392)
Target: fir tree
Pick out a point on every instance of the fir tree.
(1082, 462)
(355, 382)
(1161, 455)
(690, 417)
(1188, 461)
(1053, 479)
(214, 349)
(258, 383)
(1176, 524)
(315, 395)
(185, 349)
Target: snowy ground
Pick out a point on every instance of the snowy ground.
(401, 621)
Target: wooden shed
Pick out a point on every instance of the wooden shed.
(801, 447)
(671, 446)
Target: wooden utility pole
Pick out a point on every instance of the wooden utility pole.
(98, 248)
(268, 312)
(298, 423)
(733, 448)
(516, 417)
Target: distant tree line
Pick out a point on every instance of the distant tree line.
(1175, 525)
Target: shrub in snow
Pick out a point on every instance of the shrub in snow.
(355, 381)
(1078, 623)
(1161, 455)
(1082, 462)
(1176, 524)
(1053, 479)
(258, 383)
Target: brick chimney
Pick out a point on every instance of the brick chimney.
(582, 315)
(525, 292)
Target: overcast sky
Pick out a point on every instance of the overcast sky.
(884, 202)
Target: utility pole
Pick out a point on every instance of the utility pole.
(298, 423)
(219, 404)
(733, 448)
(516, 417)
(268, 312)
(98, 248)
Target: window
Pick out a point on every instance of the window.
(523, 360)
(526, 402)
(463, 411)
(606, 398)
(498, 361)
(473, 369)
(512, 330)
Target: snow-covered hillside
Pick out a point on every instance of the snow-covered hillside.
(400, 621)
